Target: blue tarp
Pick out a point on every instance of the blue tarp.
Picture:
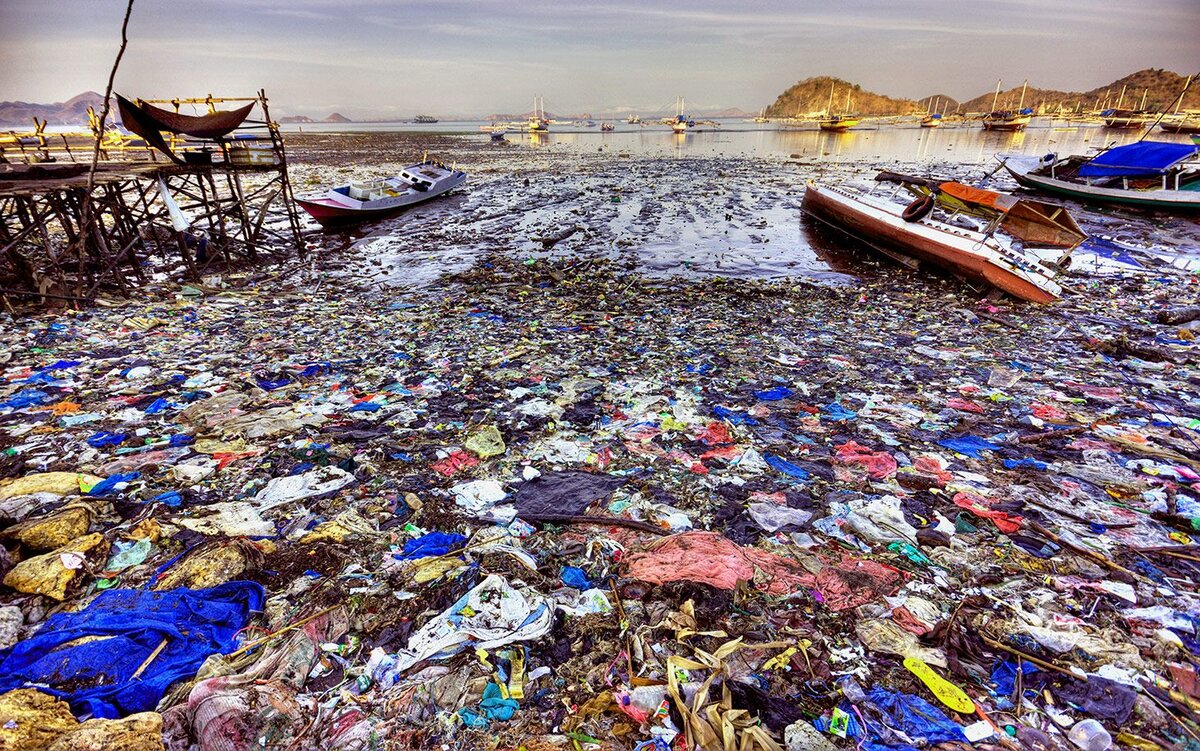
(916, 718)
(783, 465)
(1141, 158)
(970, 445)
(434, 543)
(127, 625)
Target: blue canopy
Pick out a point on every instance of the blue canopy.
(1141, 158)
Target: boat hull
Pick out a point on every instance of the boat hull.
(1183, 201)
(330, 213)
(890, 233)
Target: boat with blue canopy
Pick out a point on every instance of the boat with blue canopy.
(1148, 174)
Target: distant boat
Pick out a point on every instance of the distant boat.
(1015, 246)
(762, 116)
(932, 119)
(537, 121)
(374, 199)
(425, 119)
(1005, 119)
(1146, 174)
(681, 122)
(607, 126)
(1185, 124)
(633, 120)
(838, 123)
(1126, 119)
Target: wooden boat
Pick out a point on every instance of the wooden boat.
(931, 121)
(1187, 124)
(1005, 120)
(1002, 241)
(1126, 119)
(1147, 174)
(374, 199)
(837, 123)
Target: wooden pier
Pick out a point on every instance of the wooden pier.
(148, 218)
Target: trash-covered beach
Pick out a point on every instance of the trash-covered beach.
(609, 450)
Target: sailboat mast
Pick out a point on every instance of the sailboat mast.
(829, 107)
(1145, 94)
(1121, 99)
(1023, 87)
(1187, 84)
(996, 98)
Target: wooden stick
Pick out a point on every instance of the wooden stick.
(1039, 662)
(146, 663)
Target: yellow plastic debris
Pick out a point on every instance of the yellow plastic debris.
(137, 732)
(58, 483)
(486, 442)
(946, 692)
(31, 720)
(54, 531)
(49, 574)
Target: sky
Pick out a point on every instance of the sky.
(398, 58)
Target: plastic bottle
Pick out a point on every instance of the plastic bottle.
(1090, 735)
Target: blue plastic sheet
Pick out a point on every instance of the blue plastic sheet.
(434, 543)
(1139, 158)
(774, 395)
(1004, 675)
(733, 417)
(970, 445)
(126, 626)
(916, 717)
(26, 398)
(158, 406)
(105, 438)
(575, 577)
(837, 412)
(105, 486)
(783, 465)
(1025, 464)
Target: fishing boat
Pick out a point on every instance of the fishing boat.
(633, 120)
(837, 123)
(932, 117)
(607, 127)
(425, 119)
(537, 122)
(1147, 174)
(374, 199)
(762, 116)
(1015, 245)
(680, 123)
(1007, 120)
(1186, 124)
(1126, 119)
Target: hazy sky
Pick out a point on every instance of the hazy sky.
(400, 57)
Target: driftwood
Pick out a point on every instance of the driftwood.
(549, 241)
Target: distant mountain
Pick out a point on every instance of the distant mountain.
(296, 119)
(1159, 87)
(943, 103)
(811, 96)
(337, 117)
(71, 112)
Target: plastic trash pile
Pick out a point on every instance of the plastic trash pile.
(554, 505)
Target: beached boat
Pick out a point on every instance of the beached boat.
(373, 199)
(1148, 174)
(1005, 242)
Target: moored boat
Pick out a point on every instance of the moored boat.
(373, 199)
(1189, 124)
(1007, 120)
(1015, 245)
(1147, 174)
(1126, 119)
